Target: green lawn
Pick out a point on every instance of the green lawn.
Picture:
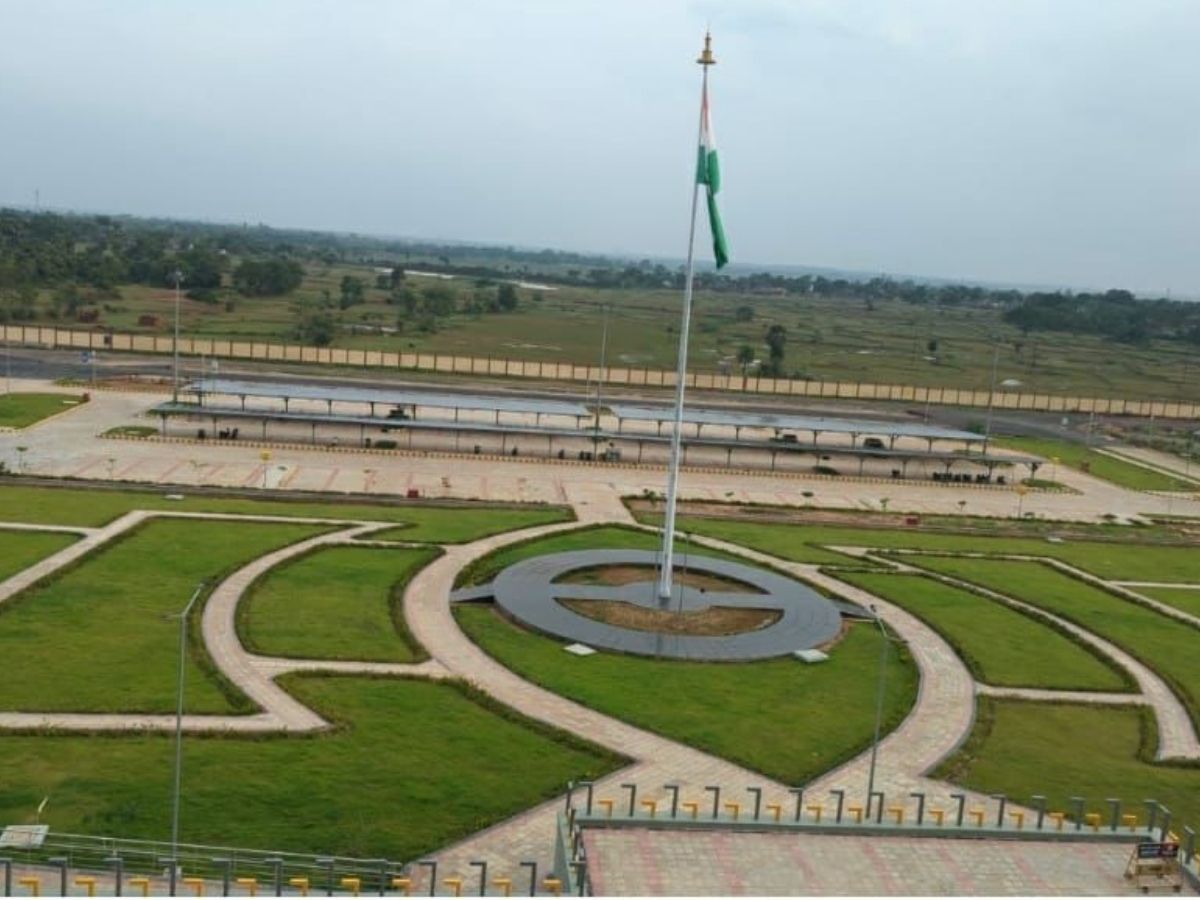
(779, 717)
(608, 537)
(21, 549)
(414, 766)
(1000, 646)
(22, 410)
(335, 603)
(1020, 749)
(1079, 456)
(433, 524)
(1166, 645)
(97, 638)
(1121, 558)
(1187, 599)
(454, 526)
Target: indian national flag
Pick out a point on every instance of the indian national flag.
(708, 173)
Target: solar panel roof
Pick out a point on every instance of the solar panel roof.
(387, 396)
(786, 422)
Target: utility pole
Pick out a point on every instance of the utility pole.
(987, 428)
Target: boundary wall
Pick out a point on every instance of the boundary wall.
(264, 351)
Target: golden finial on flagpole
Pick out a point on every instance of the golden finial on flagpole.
(706, 55)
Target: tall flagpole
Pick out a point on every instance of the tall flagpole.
(668, 545)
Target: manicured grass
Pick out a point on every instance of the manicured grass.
(1000, 646)
(414, 766)
(1166, 645)
(780, 717)
(335, 603)
(1083, 458)
(1020, 749)
(100, 637)
(458, 526)
(1187, 599)
(22, 410)
(21, 549)
(607, 537)
(434, 524)
(1126, 559)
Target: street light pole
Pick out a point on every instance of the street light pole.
(183, 620)
(178, 276)
(878, 706)
(600, 381)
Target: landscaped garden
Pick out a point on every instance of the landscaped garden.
(426, 522)
(412, 766)
(1021, 748)
(335, 603)
(22, 549)
(19, 410)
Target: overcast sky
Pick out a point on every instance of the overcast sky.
(1051, 142)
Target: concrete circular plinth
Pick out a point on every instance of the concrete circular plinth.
(532, 592)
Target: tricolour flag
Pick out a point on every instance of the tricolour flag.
(708, 173)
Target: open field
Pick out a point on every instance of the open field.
(100, 636)
(22, 410)
(1021, 748)
(1080, 457)
(422, 522)
(334, 603)
(413, 766)
(1165, 645)
(1000, 646)
(884, 342)
(22, 549)
(779, 717)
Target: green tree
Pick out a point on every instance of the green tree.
(776, 346)
(353, 291)
(745, 356)
(506, 298)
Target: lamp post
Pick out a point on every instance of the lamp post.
(177, 275)
(600, 381)
(878, 706)
(183, 620)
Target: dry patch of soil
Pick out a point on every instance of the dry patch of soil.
(617, 576)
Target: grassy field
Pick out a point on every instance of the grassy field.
(22, 410)
(99, 637)
(1186, 599)
(1078, 456)
(829, 338)
(414, 766)
(22, 549)
(335, 603)
(608, 537)
(433, 524)
(1020, 749)
(1123, 558)
(1166, 645)
(779, 717)
(1000, 646)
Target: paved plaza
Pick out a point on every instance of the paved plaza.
(641, 862)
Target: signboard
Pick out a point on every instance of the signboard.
(1165, 850)
(24, 837)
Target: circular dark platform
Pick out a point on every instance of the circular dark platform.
(533, 591)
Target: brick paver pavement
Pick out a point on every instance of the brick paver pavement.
(640, 862)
